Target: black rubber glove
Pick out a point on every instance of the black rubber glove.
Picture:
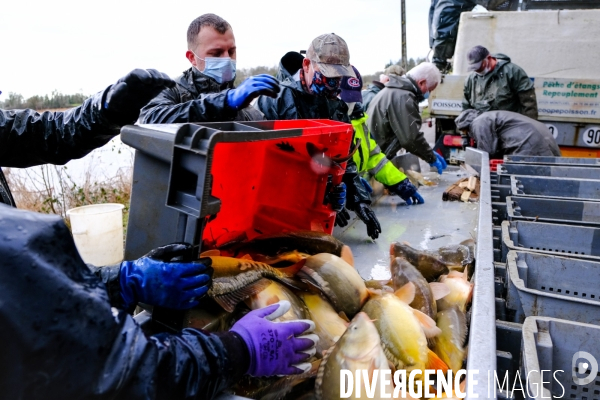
(342, 217)
(366, 214)
(128, 95)
(356, 192)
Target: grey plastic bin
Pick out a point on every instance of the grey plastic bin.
(569, 212)
(557, 171)
(555, 345)
(555, 239)
(558, 188)
(572, 161)
(550, 286)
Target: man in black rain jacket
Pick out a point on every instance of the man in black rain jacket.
(205, 92)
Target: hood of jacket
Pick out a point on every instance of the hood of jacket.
(503, 59)
(289, 64)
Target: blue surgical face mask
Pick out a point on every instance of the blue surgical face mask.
(221, 69)
(426, 95)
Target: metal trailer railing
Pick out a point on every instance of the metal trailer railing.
(482, 336)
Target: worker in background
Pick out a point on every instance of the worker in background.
(505, 132)
(311, 84)
(205, 92)
(394, 117)
(376, 86)
(370, 159)
(498, 84)
(67, 338)
(444, 16)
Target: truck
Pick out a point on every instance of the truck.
(554, 43)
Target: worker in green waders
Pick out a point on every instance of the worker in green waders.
(369, 158)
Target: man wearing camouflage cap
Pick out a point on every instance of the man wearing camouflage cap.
(498, 84)
(311, 91)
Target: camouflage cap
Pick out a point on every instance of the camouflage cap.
(330, 52)
(394, 70)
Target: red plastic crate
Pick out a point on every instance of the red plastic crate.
(272, 186)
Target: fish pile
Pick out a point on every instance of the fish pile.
(416, 320)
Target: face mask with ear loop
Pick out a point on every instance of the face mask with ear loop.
(485, 71)
(221, 69)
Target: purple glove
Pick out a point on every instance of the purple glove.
(276, 348)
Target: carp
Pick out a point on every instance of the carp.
(426, 293)
(449, 345)
(329, 326)
(458, 256)
(461, 291)
(359, 348)
(429, 264)
(337, 280)
(404, 330)
(236, 279)
(274, 293)
(309, 242)
(380, 285)
(292, 257)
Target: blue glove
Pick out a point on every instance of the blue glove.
(337, 197)
(250, 89)
(439, 163)
(166, 277)
(407, 191)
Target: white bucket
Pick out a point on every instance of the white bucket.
(98, 233)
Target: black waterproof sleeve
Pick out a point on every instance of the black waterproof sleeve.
(168, 108)
(62, 340)
(282, 107)
(109, 275)
(28, 138)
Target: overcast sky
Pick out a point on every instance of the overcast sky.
(83, 46)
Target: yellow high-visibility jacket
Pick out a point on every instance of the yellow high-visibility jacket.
(370, 158)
